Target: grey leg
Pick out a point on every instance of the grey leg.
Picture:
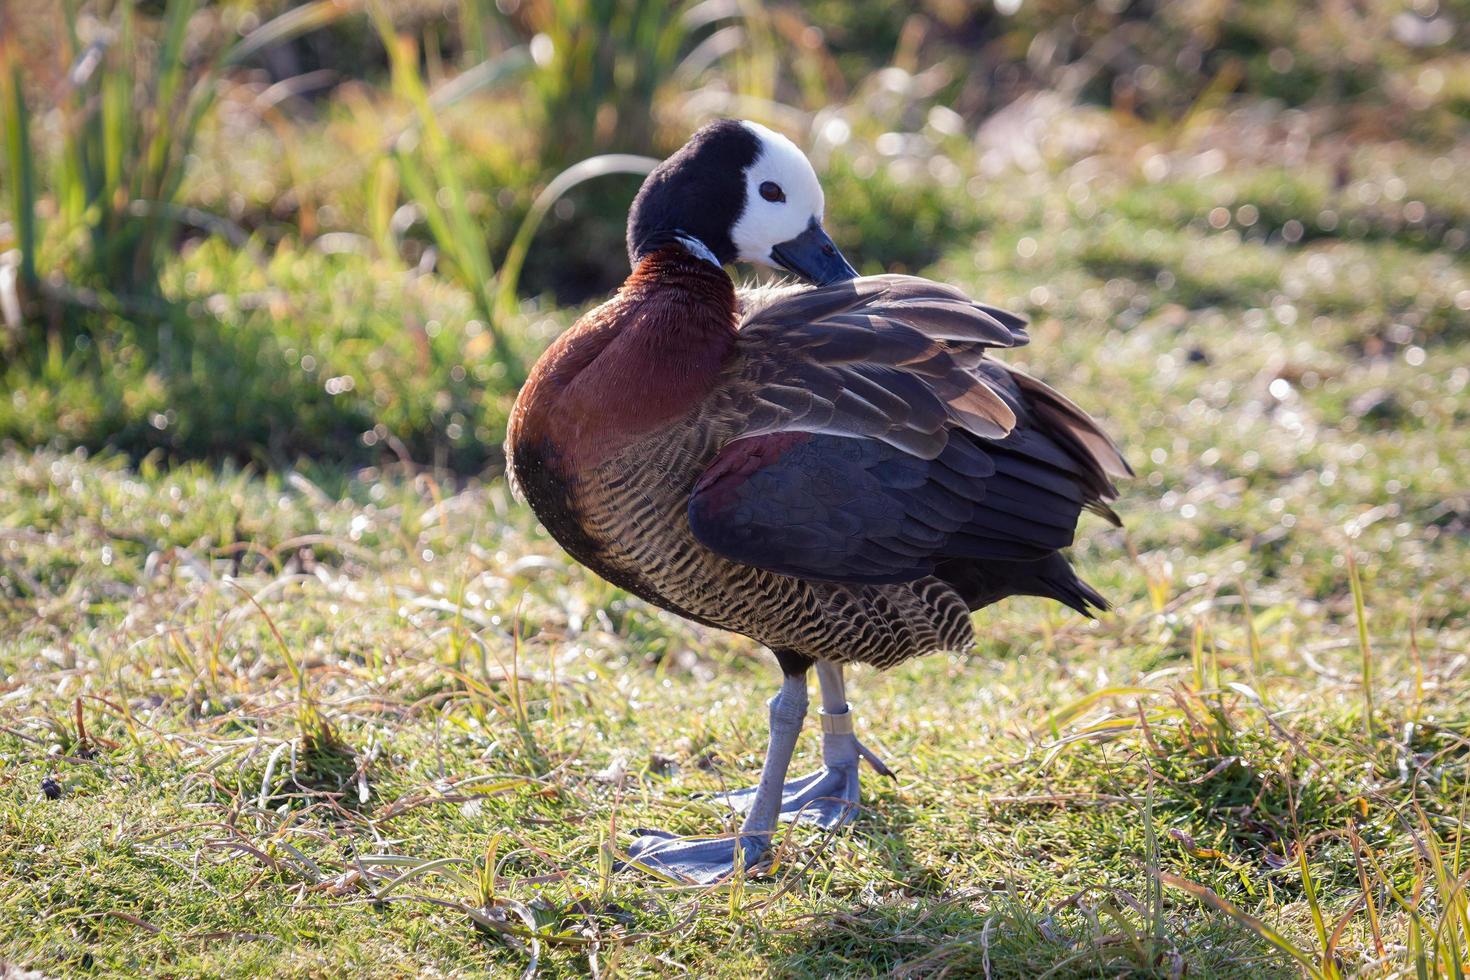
(707, 860)
(828, 797)
(788, 713)
(838, 741)
(834, 688)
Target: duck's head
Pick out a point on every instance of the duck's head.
(738, 191)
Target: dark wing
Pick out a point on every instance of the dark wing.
(891, 358)
(903, 483)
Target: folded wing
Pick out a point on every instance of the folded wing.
(881, 444)
(891, 358)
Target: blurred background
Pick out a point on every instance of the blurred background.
(272, 273)
(343, 229)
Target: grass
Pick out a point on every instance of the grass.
(289, 684)
(117, 177)
(419, 742)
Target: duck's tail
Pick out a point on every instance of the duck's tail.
(982, 582)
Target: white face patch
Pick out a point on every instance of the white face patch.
(764, 224)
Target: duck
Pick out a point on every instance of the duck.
(833, 465)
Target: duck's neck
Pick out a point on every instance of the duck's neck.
(674, 274)
(641, 362)
(676, 324)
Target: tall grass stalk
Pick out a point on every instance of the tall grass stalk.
(603, 63)
(1304, 958)
(577, 173)
(424, 166)
(130, 117)
(21, 163)
(1360, 615)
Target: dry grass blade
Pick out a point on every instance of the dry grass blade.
(1365, 649)
(268, 305)
(418, 870)
(312, 725)
(1255, 925)
(1067, 712)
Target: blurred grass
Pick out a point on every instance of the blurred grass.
(418, 744)
(424, 159)
(422, 152)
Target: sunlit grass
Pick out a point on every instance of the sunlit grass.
(1189, 784)
(330, 703)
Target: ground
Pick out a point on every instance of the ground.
(288, 717)
(359, 714)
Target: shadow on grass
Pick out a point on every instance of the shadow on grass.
(929, 927)
(296, 354)
(1003, 935)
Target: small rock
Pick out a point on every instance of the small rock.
(616, 770)
(1422, 32)
(1376, 405)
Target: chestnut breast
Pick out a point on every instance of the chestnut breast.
(636, 368)
(616, 377)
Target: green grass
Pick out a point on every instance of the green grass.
(315, 696)
(447, 685)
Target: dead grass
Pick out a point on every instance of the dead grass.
(373, 722)
(378, 724)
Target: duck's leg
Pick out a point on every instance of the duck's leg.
(709, 859)
(829, 796)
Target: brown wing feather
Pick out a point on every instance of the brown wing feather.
(1067, 419)
(884, 357)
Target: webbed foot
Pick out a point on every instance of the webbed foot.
(707, 860)
(827, 797)
(703, 860)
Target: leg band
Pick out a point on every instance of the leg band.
(836, 724)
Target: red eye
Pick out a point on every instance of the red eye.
(772, 192)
